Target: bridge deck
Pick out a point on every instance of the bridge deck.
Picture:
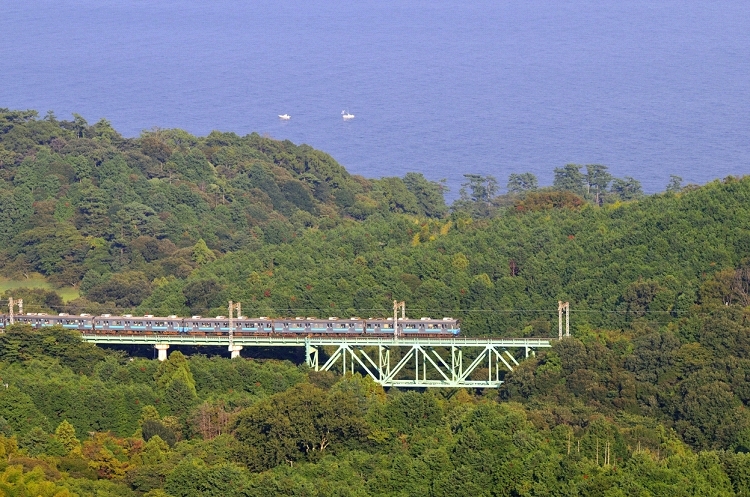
(301, 341)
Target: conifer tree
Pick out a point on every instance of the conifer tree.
(65, 433)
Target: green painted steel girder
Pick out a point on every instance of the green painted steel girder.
(300, 341)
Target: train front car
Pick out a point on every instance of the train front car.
(425, 327)
(428, 327)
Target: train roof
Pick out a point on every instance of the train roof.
(224, 318)
(130, 317)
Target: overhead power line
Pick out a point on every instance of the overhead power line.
(379, 311)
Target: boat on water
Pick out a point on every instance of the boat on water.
(284, 117)
(345, 114)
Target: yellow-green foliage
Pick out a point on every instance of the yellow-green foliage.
(15, 482)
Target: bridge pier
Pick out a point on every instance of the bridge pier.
(235, 351)
(162, 348)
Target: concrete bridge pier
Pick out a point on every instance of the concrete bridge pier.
(235, 351)
(162, 348)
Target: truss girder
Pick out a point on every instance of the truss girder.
(422, 366)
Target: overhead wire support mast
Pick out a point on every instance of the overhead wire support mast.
(11, 309)
(563, 306)
(396, 306)
(234, 350)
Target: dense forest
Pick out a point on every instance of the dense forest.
(649, 396)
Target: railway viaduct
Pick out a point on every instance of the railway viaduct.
(392, 362)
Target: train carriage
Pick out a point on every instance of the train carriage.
(421, 326)
(338, 326)
(379, 326)
(201, 325)
(137, 324)
(82, 322)
(262, 325)
(220, 325)
(429, 326)
(243, 325)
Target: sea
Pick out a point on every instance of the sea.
(649, 88)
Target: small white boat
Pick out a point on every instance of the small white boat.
(345, 114)
(285, 117)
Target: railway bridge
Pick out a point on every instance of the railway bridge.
(417, 362)
(431, 356)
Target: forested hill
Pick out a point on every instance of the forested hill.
(169, 223)
(80, 203)
(649, 396)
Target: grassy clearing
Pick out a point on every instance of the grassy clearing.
(38, 281)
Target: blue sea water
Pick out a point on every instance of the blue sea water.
(649, 88)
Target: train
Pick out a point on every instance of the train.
(242, 325)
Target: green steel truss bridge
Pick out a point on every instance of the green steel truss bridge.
(449, 362)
